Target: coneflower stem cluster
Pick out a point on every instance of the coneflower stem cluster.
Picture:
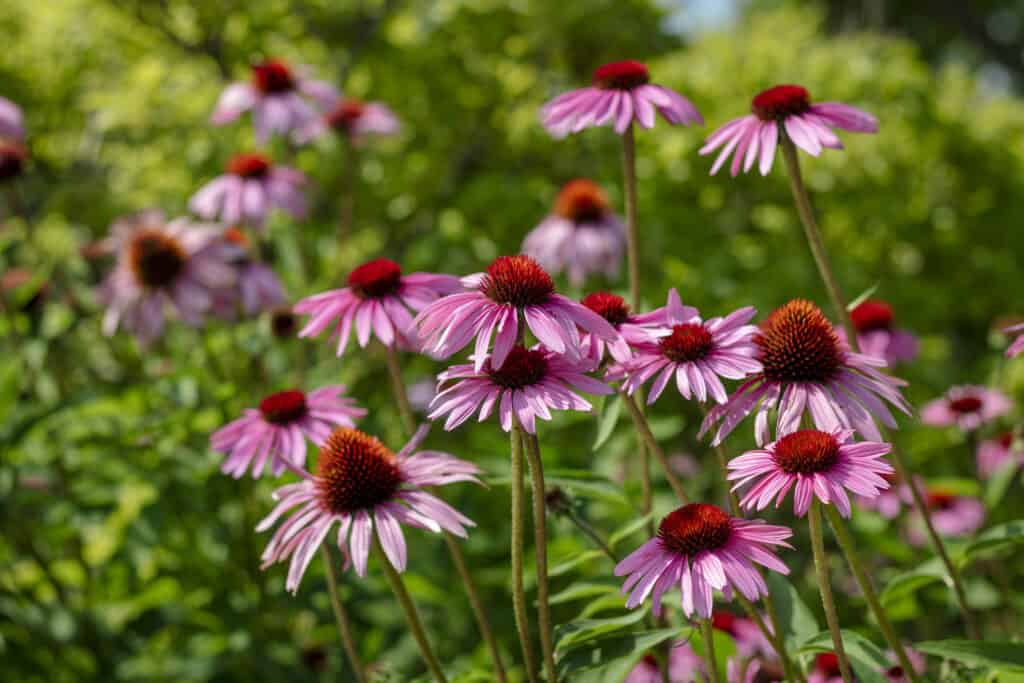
(341, 617)
(827, 601)
(540, 539)
(518, 591)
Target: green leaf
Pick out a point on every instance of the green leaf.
(565, 566)
(867, 659)
(587, 484)
(609, 418)
(578, 591)
(629, 529)
(608, 660)
(982, 653)
(862, 297)
(999, 483)
(911, 581)
(574, 633)
(995, 538)
(796, 619)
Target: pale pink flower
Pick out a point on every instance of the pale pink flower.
(1017, 347)
(684, 666)
(252, 186)
(12, 121)
(966, 406)
(745, 633)
(952, 515)
(259, 289)
(354, 119)
(896, 674)
(876, 336)
(888, 502)
(994, 453)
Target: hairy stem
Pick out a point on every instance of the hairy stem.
(708, 635)
(341, 617)
(540, 536)
(518, 592)
(644, 430)
(632, 235)
(821, 569)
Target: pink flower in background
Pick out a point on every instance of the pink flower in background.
(814, 464)
(378, 300)
(277, 430)
(825, 669)
(512, 284)
(765, 669)
(364, 488)
(632, 329)
(744, 632)
(354, 119)
(162, 265)
(259, 288)
(13, 157)
(701, 549)
(529, 384)
(581, 237)
(281, 100)
(12, 121)
(755, 136)
(966, 406)
(252, 186)
(684, 666)
(807, 369)
(620, 95)
(952, 515)
(994, 453)
(876, 336)
(1017, 347)
(888, 502)
(896, 674)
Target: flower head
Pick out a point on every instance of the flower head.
(1017, 347)
(252, 186)
(529, 384)
(814, 464)
(13, 156)
(756, 135)
(701, 548)
(276, 431)
(633, 328)
(511, 284)
(895, 672)
(258, 287)
(744, 632)
(281, 99)
(620, 95)
(876, 336)
(826, 669)
(994, 453)
(806, 367)
(888, 502)
(161, 264)
(966, 406)
(378, 300)
(952, 514)
(353, 119)
(364, 488)
(12, 121)
(684, 665)
(582, 236)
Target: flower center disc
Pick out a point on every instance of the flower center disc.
(872, 315)
(355, 471)
(375, 279)
(1006, 440)
(284, 407)
(156, 258)
(522, 368)
(828, 664)
(695, 527)
(12, 159)
(940, 500)
(624, 75)
(283, 323)
(965, 404)
(688, 342)
(781, 101)
(724, 621)
(345, 114)
(517, 280)
(581, 201)
(806, 452)
(611, 307)
(798, 344)
(273, 76)
(248, 165)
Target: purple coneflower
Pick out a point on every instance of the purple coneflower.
(512, 284)
(701, 549)
(378, 300)
(888, 502)
(826, 669)
(876, 336)
(633, 329)
(806, 368)
(278, 97)
(161, 264)
(252, 186)
(896, 674)
(684, 665)
(994, 453)
(530, 383)
(581, 237)
(364, 488)
(353, 119)
(952, 515)
(621, 94)
(277, 430)
(744, 632)
(259, 288)
(966, 406)
(808, 125)
(1017, 347)
(12, 121)
(814, 464)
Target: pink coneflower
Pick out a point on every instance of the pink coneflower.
(888, 502)
(684, 666)
(994, 453)
(259, 288)
(808, 125)
(896, 674)
(252, 186)
(702, 549)
(278, 97)
(12, 121)
(512, 284)
(806, 368)
(826, 669)
(744, 632)
(952, 515)
(378, 300)
(161, 264)
(277, 430)
(876, 336)
(756, 670)
(1017, 347)
(582, 236)
(529, 384)
(13, 156)
(966, 406)
(814, 464)
(633, 329)
(364, 487)
(353, 119)
(697, 353)
(621, 94)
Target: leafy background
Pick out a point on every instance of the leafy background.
(127, 555)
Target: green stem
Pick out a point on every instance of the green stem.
(708, 634)
(644, 430)
(518, 593)
(398, 389)
(341, 617)
(412, 617)
(591, 533)
(821, 569)
(734, 501)
(349, 188)
(857, 566)
(632, 234)
(540, 536)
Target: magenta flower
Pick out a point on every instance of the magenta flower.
(581, 237)
(378, 300)
(161, 265)
(529, 384)
(888, 502)
(621, 94)
(276, 432)
(364, 488)
(702, 549)
(1017, 347)
(12, 121)
(281, 100)
(744, 632)
(808, 125)
(826, 669)
(952, 515)
(684, 665)
(353, 119)
(633, 329)
(896, 674)
(994, 453)
(876, 336)
(259, 288)
(814, 464)
(512, 284)
(697, 354)
(966, 406)
(807, 368)
(252, 186)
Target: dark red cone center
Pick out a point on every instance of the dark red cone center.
(517, 280)
(376, 279)
(872, 315)
(611, 307)
(938, 499)
(806, 452)
(798, 344)
(688, 342)
(522, 368)
(724, 621)
(12, 159)
(581, 201)
(624, 75)
(345, 114)
(965, 404)
(156, 259)
(273, 76)
(695, 527)
(781, 101)
(355, 471)
(248, 165)
(828, 664)
(284, 407)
